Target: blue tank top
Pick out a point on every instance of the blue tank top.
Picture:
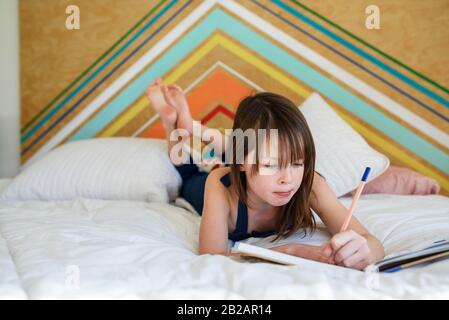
(241, 228)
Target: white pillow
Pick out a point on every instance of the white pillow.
(103, 168)
(341, 153)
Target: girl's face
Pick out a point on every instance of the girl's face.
(272, 184)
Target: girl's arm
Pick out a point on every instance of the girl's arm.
(214, 220)
(355, 247)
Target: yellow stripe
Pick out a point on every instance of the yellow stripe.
(215, 40)
(250, 58)
(261, 65)
(180, 70)
(143, 102)
(387, 146)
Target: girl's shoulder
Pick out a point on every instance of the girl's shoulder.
(214, 181)
(216, 195)
(218, 173)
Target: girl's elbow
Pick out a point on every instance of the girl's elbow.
(205, 250)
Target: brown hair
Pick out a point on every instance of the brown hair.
(272, 111)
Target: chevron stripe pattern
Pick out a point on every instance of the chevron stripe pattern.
(219, 51)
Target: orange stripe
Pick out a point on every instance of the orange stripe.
(219, 86)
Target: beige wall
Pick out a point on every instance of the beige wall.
(9, 89)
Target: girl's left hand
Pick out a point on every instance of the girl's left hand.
(351, 250)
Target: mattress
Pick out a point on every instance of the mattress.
(100, 249)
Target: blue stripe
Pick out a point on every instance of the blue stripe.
(219, 20)
(63, 116)
(95, 73)
(394, 87)
(364, 54)
(393, 269)
(167, 62)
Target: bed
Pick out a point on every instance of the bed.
(101, 218)
(85, 248)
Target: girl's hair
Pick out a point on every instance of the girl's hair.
(272, 111)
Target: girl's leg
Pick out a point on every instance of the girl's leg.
(174, 96)
(193, 181)
(175, 114)
(168, 113)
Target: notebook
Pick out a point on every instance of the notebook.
(435, 252)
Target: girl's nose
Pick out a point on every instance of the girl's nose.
(286, 176)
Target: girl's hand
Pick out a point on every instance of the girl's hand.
(351, 250)
(317, 253)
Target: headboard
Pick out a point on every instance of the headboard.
(390, 84)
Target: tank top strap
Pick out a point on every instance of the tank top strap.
(242, 211)
(226, 180)
(241, 228)
(242, 218)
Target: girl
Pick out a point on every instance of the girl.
(264, 195)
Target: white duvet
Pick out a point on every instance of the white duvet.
(117, 249)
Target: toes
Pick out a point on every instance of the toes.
(178, 88)
(175, 87)
(167, 97)
(173, 92)
(151, 89)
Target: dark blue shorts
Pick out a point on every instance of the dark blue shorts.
(193, 184)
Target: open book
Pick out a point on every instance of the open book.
(251, 251)
(438, 250)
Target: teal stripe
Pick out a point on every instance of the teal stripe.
(370, 46)
(60, 105)
(220, 20)
(167, 62)
(362, 53)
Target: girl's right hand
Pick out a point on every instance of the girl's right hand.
(322, 253)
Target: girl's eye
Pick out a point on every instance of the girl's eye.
(299, 164)
(270, 165)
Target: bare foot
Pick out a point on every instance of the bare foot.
(167, 113)
(175, 97)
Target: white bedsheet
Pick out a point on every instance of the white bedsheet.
(109, 249)
(3, 183)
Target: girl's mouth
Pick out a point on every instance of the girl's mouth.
(283, 194)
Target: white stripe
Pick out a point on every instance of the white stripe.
(140, 64)
(272, 32)
(339, 73)
(241, 77)
(146, 124)
(198, 80)
(139, 131)
(201, 77)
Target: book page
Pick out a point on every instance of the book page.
(319, 237)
